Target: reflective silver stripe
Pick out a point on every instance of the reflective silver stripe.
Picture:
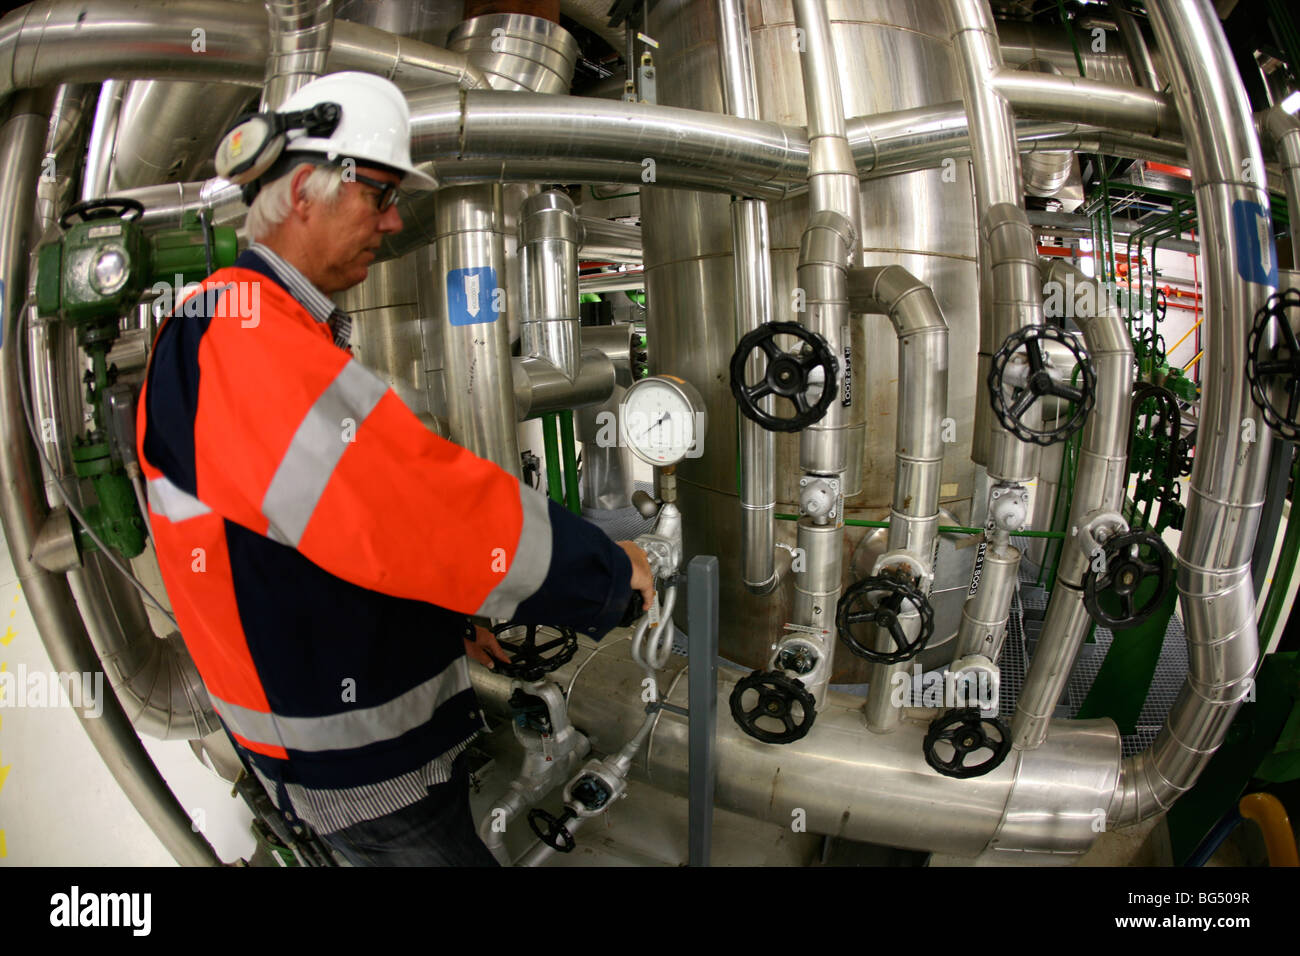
(532, 559)
(353, 728)
(170, 502)
(316, 449)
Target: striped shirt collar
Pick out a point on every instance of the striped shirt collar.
(316, 302)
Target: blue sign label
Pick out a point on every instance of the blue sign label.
(1256, 254)
(472, 295)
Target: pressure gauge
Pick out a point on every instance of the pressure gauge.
(662, 419)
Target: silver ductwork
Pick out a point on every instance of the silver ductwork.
(548, 292)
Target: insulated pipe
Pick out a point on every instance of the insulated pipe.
(55, 612)
(158, 139)
(870, 787)
(540, 387)
(299, 46)
(828, 247)
(1007, 249)
(751, 258)
(548, 290)
(1228, 477)
(103, 134)
(1046, 171)
(1068, 99)
(1281, 130)
(918, 448)
(70, 119)
(222, 41)
(469, 294)
(608, 241)
(1100, 485)
(1135, 47)
(988, 601)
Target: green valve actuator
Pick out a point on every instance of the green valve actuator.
(89, 279)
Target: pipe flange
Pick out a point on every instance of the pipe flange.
(896, 563)
(1096, 529)
(1008, 507)
(974, 681)
(819, 498)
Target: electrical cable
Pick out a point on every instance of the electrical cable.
(58, 479)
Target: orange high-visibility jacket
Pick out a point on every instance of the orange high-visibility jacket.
(321, 547)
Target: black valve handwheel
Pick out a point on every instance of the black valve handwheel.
(108, 208)
(1162, 304)
(1011, 409)
(959, 737)
(879, 601)
(788, 376)
(1128, 561)
(551, 830)
(1274, 374)
(778, 700)
(529, 660)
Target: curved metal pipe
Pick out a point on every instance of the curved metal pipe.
(1281, 130)
(299, 46)
(548, 288)
(1227, 484)
(53, 608)
(59, 41)
(103, 135)
(1100, 486)
(918, 448)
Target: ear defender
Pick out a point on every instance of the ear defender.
(254, 143)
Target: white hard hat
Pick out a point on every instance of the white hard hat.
(375, 126)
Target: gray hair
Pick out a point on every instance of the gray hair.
(273, 202)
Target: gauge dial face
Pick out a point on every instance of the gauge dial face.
(662, 420)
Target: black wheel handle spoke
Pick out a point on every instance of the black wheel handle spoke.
(1011, 414)
(788, 374)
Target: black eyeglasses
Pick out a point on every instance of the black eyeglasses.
(387, 191)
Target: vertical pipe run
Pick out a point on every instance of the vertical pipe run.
(1101, 482)
(103, 135)
(752, 262)
(1135, 47)
(549, 324)
(1227, 483)
(551, 445)
(569, 454)
(918, 447)
(301, 31)
(702, 690)
(470, 297)
(1006, 240)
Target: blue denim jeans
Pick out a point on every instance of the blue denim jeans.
(436, 831)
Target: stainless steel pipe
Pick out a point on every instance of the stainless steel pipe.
(918, 449)
(299, 46)
(1101, 482)
(1228, 477)
(752, 269)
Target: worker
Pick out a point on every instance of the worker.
(323, 550)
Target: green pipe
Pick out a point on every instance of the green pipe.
(943, 528)
(569, 450)
(1285, 571)
(552, 446)
(1175, 230)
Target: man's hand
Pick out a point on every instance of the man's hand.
(485, 643)
(643, 578)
